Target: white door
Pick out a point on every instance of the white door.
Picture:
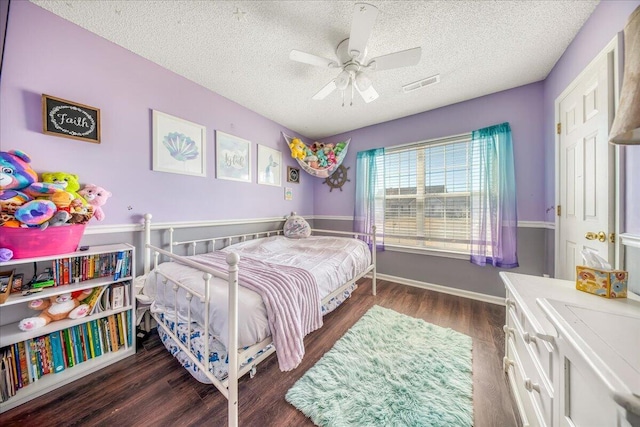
(585, 167)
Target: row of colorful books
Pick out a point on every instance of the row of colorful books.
(86, 267)
(25, 362)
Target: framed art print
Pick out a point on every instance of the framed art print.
(179, 146)
(269, 166)
(233, 157)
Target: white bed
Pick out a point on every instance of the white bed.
(205, 292)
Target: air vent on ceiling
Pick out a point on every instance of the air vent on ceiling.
(421, 83)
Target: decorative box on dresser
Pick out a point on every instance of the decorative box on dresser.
(571, 358)
(65, 350)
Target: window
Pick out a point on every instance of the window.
(426, 195)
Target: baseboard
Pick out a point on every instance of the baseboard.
(443, 289)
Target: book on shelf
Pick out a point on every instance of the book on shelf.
(105, 300)
(68, 346)
(118, 267)
(95, 337)
(122, 337)
(5, 378)
(113, 332)
(56, 347)
(24, 367)
(117, 296)
(93, 299)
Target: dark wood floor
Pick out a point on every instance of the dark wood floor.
(151, 388)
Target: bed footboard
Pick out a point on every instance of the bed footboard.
(169, 322)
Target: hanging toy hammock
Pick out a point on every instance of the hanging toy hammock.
(320, 160)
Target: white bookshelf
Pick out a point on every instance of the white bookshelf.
(16, 307)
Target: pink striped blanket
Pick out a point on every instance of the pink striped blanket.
(290, 296)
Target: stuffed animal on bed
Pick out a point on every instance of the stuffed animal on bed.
(96, 197)
(296, 227)
(57, 307)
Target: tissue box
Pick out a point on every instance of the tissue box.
(605, 283)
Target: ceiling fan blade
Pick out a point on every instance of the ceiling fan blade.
(310, 59)
(403, 58)
(368, 95)
(364, 16)
(325, 91)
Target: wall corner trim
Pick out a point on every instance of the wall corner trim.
(629, 239)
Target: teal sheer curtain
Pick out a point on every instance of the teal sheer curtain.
(494, 220)
(369, 206)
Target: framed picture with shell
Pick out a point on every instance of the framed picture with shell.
(179, 146)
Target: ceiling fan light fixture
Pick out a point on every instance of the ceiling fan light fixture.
(363, 81)
(342, 81)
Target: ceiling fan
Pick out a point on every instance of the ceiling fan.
(351, 58)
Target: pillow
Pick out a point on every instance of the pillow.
(296, 227)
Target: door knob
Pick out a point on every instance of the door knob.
(601, 236)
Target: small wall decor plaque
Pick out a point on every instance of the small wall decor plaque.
(70, 119)
(293, 174)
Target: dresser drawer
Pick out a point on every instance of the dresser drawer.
(530, 414)
(518, 320)
(541, 350)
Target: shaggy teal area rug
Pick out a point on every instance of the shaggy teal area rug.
(390, 369)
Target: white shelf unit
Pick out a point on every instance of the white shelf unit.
(15, 308)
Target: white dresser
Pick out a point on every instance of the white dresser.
(572, 358)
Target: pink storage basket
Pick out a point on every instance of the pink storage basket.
(34, 242)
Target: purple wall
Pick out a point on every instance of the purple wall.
(521, 107)
(42, 56)
(604, 23)
(47, 54)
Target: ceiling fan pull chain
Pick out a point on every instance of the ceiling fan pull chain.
(352, 83)
(342, 98)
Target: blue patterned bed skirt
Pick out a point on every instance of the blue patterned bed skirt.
(218, 356)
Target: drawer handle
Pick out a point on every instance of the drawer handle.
(544, 337)
(506, 362)
(531, 386)
(507, 330)
(528, 338)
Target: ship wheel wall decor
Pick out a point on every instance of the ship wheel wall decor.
(337, 179)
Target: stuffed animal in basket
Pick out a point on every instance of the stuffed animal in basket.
(15, 176)
(57, 307)
(66, 181)
(96, 197)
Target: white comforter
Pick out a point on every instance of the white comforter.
(332, 261)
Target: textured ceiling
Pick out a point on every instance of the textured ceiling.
(240, 50)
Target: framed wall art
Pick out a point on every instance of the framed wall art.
(70, 119)
(269, 166)
(293, 175)
(179, 146)
(233, 157)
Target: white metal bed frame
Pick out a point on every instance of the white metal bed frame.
(228, 387)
